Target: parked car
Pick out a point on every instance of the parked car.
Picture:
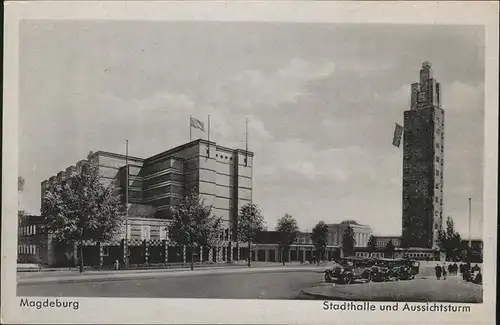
(388, 269)
(348, 270)
(381, 270)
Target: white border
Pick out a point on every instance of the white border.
(123, 311)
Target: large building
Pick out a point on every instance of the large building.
(423, 163)
(362, 233)
(221, 176)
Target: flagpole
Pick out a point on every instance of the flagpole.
(208, 153)
(126, 203)
(190, 128)
(470, 219)
(246, 143)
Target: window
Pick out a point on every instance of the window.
(145, 232)
(163, 233)
(437, 145)
(437, 199)
(437, 158)
(437, 185)
(437, 172)
(129, 231)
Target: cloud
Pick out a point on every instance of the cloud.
(461, 97)
(297, 158)
(252, 89)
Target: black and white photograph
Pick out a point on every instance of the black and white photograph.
(251, 160)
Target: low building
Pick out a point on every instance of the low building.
(32, 243)
(266, 248)
(362, 233)
(382, 241)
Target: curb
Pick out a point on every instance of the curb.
(323, 297)
(187, 273)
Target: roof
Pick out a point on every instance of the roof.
(192, 143)
(388, 237)
(355, 258)
(116, 155)
(350, 222)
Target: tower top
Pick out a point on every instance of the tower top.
(426, 64)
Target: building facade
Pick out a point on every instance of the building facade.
(382, 241)
(362, 233)
(267, 249)
(32, 243)
(221, 176)
(423, 161)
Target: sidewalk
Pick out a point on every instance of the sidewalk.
(89, 276)
(419, 290)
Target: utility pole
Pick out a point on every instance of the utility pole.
(126, 204)
(470, 222)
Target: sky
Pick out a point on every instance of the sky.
(322, 101)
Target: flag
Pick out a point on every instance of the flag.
(398, 133)
(197, 124)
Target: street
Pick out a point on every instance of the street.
(258, 285)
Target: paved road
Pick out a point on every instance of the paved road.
(263, 285)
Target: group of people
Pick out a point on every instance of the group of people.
(466, 271)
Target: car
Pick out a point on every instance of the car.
(348, 270)
(388, 269)
(379, 273)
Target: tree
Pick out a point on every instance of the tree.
(389, 248)
(348, 241)
(372, 244)
(288, 230)
(449, 240)
(81, 208)
(250, 223)
(320, 238)
(193, 224)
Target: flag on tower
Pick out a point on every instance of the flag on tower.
(197, 124)
(398, 134)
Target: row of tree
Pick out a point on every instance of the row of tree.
(81, 208)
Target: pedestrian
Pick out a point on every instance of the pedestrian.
(444, 271)
(476, 268)
(450, 269)
(479, 278)
(438, 270)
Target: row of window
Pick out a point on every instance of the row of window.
(223, 157)
(419, 254)
(28, 230)
(26, 249)
(163, 178)
(146, 232)
(366, 254)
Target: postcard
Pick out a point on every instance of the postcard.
(250, 162)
